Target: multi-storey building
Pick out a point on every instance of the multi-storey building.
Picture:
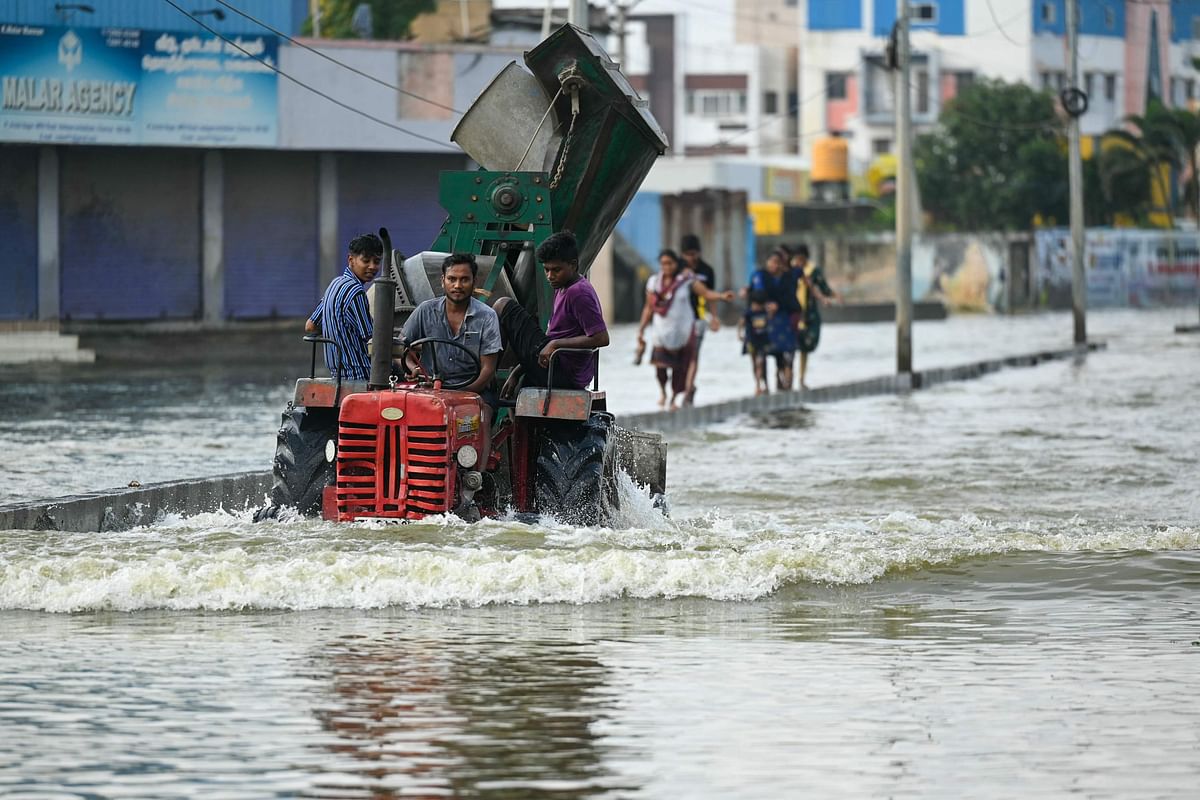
(1129, 50)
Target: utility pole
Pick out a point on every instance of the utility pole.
(904, 194)
(619, 30)
(547, 15)
(1075, 175)
(577, 13)
(315, 10)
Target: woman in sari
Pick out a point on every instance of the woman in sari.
(668, 314)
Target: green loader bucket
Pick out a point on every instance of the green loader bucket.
(577, 118)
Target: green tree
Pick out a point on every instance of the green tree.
(995, 160)
(390, 19)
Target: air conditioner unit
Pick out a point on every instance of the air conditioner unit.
(923, 12)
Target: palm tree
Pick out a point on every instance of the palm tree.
(1163, 137)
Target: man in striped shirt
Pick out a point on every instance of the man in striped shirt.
(343, 314)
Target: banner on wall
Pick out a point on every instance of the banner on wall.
(65, 85)
(1124, 267)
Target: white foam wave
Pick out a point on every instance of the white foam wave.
(225, 562)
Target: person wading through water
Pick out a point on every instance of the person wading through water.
(811, 288)
(668, 313)
(706, 318)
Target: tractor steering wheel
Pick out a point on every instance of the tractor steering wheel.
(465, 382)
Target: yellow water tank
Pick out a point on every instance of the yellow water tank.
(831, 160)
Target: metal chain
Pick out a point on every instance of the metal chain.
(558, 171)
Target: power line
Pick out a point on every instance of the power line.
(341, 64)
(999, 26)
(302, 84)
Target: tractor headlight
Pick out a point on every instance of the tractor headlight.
(330, 450)
(467, 456)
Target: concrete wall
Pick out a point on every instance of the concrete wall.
(966, 272)
(452, 76)
(985, 272)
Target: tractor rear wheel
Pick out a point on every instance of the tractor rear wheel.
(575, 477)
(302, 469)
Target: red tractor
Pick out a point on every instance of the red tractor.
(404, 446)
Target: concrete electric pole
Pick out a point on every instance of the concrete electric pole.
(904, 194)
(1075, 175)
(577, 13)
(619, 20)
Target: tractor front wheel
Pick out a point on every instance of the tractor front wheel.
(302, 467)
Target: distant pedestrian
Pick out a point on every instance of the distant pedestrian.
(778, 285)
(706, 317)
(811, 287)
(668, 313)
(752, 330)
(343, 314)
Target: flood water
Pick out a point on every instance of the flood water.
(987, 589)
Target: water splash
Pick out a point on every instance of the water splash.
(225, 562)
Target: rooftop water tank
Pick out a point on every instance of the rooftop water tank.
(830, 160)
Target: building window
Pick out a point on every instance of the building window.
(1110, 87)
(1088, 81)
(1053, 81)
(922, 80)
(1189, 88)
(791, 3)
(963, 81)
(1196, 27)
(716, 102)
(1180, 92)
(770, 102)
(835, 85)
(793, 103)
(924, 13)
(1110, 18)
(1048, 13)
(881, 147)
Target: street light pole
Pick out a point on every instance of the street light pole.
(904, 194)
(1075, 176)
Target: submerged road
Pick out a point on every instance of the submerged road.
(68, 429)
(989, 584)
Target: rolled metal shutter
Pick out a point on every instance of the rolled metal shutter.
(393, 190)
(18, 232)
(271, 236)
(130, 232)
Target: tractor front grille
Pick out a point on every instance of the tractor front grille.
(391, 470)
(427, 459)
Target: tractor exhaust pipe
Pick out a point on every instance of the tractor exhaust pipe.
(383, 319)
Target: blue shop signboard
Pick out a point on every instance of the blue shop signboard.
(129, 86)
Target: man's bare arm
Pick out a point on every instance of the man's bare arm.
(581, 342)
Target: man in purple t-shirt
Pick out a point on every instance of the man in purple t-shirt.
(576, 321)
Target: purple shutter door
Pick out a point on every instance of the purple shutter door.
(18, 232)
(271, 237)
(397, 191)
(130, 233)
